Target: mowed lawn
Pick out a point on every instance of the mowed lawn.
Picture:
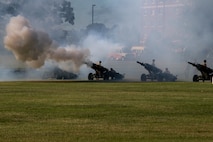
(71, 111)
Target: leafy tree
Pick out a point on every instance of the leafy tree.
(66, 12)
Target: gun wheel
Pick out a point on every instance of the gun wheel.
(195, 78)
(143, 77)
(90, 76)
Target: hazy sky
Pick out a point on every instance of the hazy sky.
(109, 12)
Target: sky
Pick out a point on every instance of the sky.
(109, 12)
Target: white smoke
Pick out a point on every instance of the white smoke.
(35, 47)
(100, 47)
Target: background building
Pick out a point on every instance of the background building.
(163, 17)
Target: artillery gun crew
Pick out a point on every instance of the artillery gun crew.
(155, 73)
(102, 72)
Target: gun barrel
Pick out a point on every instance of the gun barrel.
(96, 66)
(202, 68)
(193, 64)
(150, 68)
(142, 64)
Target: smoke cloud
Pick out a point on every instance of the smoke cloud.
(35, 47)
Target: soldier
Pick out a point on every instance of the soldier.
(99, 63)
(204, 72)
(153, 62)
(167, 70)
(98, 73)
(112, 72)
(204, 63)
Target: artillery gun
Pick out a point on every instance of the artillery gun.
(205, 71)
(103, 73)
(156, 73)
(58, 73)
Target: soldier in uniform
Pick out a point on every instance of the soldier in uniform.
(153, 62)
(204, 63)
(167, 71)
(98, 73)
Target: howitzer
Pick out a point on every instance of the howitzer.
(204, 70)
(102, 72)
(155, 73)
(150, 68)
(58, 73)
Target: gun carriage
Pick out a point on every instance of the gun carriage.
(58, 73)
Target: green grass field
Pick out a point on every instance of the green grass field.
(106, 112)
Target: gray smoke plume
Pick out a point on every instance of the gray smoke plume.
(35, 47)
